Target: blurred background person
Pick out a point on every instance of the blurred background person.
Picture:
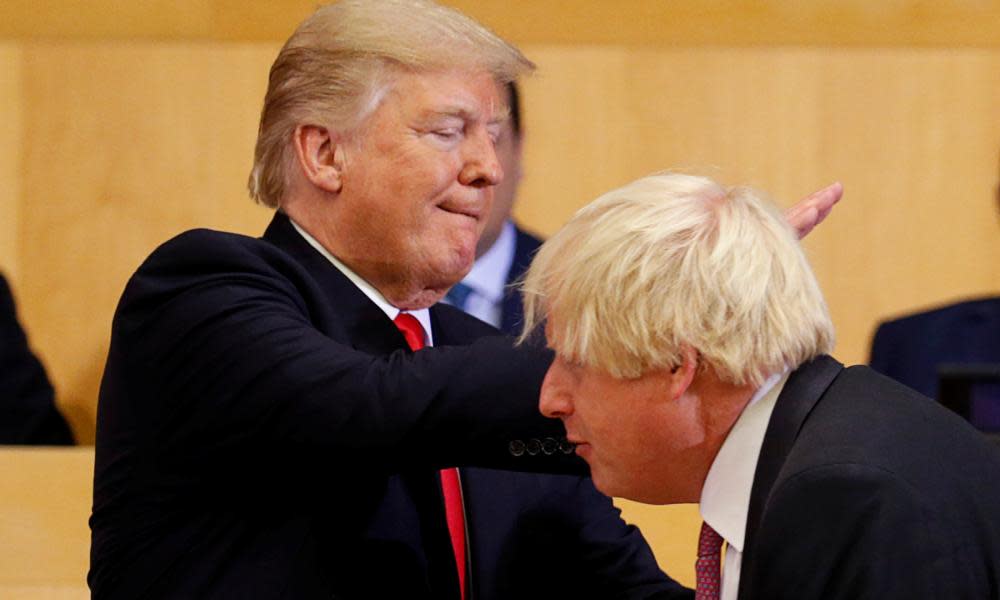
(913, 349)
(505, 249)
(28, 413)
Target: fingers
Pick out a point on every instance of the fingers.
(814, 208)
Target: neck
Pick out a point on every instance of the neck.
(721, 405)
(396, 287)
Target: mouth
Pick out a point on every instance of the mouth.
(472, 211)
(578, 444)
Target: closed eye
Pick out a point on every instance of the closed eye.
(447, 134)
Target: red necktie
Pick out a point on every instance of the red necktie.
(707, 569)
(450, 487)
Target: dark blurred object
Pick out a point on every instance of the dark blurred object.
(28, 414)
(912, 348)
(973, 391)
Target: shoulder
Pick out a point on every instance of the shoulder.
(202, 272)
(947, 316)
(209, 249)
(200, 254)
(868, 423)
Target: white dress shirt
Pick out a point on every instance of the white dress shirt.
(725, 497)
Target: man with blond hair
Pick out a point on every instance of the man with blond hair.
(277, 418)
(691, 342)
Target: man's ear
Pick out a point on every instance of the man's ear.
(683, 374)
(320, 155)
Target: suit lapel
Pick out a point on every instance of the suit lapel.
(363, 324)
(802, 391)
(350, 314)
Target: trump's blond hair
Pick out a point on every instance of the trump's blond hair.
(673, 261)
(337, 65)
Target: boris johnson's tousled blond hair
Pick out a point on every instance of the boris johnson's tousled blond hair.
(337, 65)
(674, 260)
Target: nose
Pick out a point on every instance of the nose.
(556, 399)
(481, 166)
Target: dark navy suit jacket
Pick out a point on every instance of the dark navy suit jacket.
(512, 311)
(264, 432)
(911, 348)
(28, 414)
(865, 489)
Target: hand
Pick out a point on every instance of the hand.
(810, 211)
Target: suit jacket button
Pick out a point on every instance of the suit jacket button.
(516, 447)
(566, 446)
(534, 446)
(549, 446)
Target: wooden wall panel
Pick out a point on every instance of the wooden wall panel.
(629, 22)
(10, 159)
(913, 134)
(126, 145)
(104, 19)
(43, 522)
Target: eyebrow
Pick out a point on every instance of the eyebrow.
(467, 115)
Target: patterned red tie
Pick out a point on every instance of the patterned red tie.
(450, 486)
(707, 568)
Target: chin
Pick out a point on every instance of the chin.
(457, 264)
(637, 493)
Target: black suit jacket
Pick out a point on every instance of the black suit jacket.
(911, 348)
(512, 310)
(264, 432)
(28, 414)
(866, 489)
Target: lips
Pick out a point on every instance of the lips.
(465, 209)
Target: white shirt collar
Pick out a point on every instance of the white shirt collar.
(423, 315)
(725, 497)
(488, 276)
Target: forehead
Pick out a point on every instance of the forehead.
(469, 95)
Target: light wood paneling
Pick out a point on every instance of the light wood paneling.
(126, 145)
(43, 522)
(630, 22)
(10, 159)
(913, 134)
(106, 19)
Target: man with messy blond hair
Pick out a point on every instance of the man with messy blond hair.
(691, 343)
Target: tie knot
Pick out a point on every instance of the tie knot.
(458, 295)
(709, 541)
(411, 329)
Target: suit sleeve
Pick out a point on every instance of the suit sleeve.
(214, 352)
(854, 532)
